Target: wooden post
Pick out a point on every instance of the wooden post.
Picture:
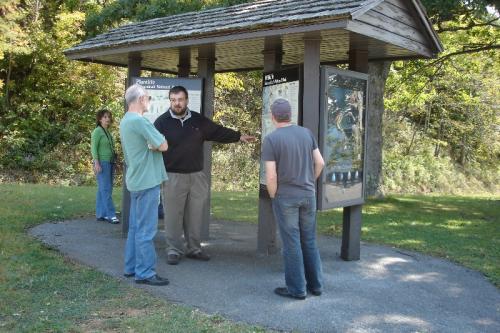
(358, 60)
(351, 222)
(311, 84)
(206, 71)
(266, 232)
(134, 70)
(311, 81)
(184, 66)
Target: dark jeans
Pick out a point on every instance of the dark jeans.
(296, 217)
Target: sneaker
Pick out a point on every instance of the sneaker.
(198, 256)
(113, 220)
(285, 293)
(173, 258)
(155, 280)
(128, 275)
(101, 219)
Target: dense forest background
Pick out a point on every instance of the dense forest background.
(441, 124)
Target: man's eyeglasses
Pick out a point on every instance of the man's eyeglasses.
(147, 97)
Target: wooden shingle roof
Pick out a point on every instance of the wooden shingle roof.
(239, 31)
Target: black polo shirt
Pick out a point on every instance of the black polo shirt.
(185, 140)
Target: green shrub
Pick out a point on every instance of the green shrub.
(426, 173)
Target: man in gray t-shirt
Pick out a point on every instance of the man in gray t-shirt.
(293, 163)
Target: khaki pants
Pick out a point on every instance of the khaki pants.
(184, 197)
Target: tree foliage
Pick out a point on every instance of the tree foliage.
(446, 109)
(471, 12)
(441, 126)
(110, 14)
(49, 102)
(238, 104)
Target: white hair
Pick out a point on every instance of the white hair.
(134, 92)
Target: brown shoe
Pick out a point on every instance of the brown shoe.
(198, 256)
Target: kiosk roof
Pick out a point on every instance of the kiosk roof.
(390, 29)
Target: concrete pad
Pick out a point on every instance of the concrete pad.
(388, 290)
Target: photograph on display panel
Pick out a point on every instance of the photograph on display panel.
(342, 137)
(159, 87)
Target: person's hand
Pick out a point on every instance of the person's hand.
(247, 138)
(97, 167)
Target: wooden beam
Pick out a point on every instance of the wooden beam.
(393, 26)
(273, 53)
(351, 233)
(184, 66)
(266, 230)
(387, 37)
(311, 83)
(428, 26)
(134, 70)
(351, 222)
(206, 71)
(358, 60)
(365, 9)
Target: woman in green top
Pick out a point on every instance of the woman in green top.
(103, 155)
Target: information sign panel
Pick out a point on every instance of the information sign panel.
(159, 87)
(342, 137)
(278, 84)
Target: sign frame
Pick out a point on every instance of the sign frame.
(285, 83)
(323, 186)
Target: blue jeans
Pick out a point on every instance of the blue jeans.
(296, 218)
(140, 254)
(104, 206)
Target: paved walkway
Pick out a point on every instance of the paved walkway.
(388, 290)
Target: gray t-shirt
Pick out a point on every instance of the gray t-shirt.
(292, 148)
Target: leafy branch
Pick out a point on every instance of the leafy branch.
(472, 24)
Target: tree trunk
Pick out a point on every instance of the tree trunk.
(463, 155)
(437, 149)
(378, 72)
(6, 98)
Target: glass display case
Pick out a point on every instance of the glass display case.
(342, 137)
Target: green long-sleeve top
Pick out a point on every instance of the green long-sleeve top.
(101, 146)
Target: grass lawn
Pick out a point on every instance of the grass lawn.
(463, 229)
(41, 291)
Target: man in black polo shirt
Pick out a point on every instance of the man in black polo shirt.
(186, 191)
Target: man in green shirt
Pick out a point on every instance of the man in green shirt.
(142, 146)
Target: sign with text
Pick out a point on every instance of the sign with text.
(279, 84)
(159, 87)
